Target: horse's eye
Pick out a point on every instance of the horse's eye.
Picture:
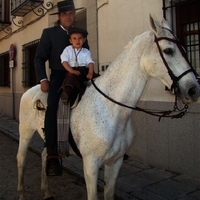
(168, 51)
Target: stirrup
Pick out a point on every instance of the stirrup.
(75, 102)
(64, 98)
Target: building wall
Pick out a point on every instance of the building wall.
(10, 96)
(120, 22)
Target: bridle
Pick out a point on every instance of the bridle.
(174, 78)
(174, 85)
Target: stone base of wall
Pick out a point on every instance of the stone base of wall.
(171, 144)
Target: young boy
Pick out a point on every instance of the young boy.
(77, 61)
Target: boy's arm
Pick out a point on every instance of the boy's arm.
(70, 69)
(90, 71)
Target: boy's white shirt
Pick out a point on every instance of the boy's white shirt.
(69, 55)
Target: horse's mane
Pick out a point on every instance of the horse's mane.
(129, 44)
(134, 40)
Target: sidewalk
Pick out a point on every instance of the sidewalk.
(135, 181)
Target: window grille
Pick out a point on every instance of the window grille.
(22, 7)
(103, 67)
(28, 66)
(4, 70)
(184, 17)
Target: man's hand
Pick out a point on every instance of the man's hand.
(44, 85)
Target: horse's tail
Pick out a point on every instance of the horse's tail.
(73, 144)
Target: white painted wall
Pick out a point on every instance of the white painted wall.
(121, 21)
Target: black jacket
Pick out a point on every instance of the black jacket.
(51, 45)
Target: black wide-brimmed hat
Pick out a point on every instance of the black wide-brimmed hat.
(78, 30)
(64, 6)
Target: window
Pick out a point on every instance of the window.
(103, 67)
(5, 11)
(4, 70)
(184, 16)
(28, 67)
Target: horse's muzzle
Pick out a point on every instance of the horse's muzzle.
(192, 95)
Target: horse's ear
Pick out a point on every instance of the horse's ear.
(154, 24)
(165, 24)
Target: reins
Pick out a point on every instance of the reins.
(159, 114)
(174, 85)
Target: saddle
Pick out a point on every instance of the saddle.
(78, 88)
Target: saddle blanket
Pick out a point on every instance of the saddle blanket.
(63, 116)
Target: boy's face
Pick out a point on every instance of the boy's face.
(77, 40)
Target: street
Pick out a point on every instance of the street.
(135, 181)
(65, 187)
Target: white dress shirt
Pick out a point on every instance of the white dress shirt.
(73, 56)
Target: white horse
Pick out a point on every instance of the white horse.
(102, 129)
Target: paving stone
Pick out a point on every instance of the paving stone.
(154, 174)
(131, 183)
(195, 195)
(136, 164)
(188, 180)
(127, 170)
(187, 198)
(170, 189)
(123, 196)
(145, 194)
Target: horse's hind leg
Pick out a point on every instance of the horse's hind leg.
(110, 177)
(44, 180)
(24, 140)
(91, 168)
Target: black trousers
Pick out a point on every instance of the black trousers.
(50, 122)
(76, 81)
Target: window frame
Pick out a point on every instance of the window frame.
(28, 66)
(181, 13)
(5, 11)
(4, 70)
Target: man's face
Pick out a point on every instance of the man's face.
(67, 18)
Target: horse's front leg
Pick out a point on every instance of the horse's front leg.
(110, 177)
(44, 179)
(91, 169)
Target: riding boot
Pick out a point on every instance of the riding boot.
(53, 163)
(49, 151)
(65, 96)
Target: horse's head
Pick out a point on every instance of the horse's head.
(166, 60)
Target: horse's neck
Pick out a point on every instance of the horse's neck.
(125, 79)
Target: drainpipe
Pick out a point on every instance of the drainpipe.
(98, 8)
(13, 94)
(11, 65)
